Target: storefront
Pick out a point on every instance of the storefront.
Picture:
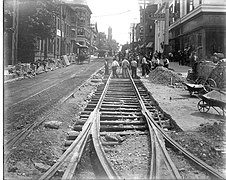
(200, 31)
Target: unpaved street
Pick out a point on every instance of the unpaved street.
(26, 99)
(201, 136)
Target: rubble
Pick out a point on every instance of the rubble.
(52, 124)
(42, 167)
(30, 70)
(164, 76)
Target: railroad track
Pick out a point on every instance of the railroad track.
(122, 108)
(18, 137)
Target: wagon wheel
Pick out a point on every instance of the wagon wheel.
(210, 84)
(203, 106)
(200, 80)
(191, 93)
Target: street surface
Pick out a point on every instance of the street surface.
(26, 99)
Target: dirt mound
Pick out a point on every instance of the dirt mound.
(216, 130)
(162, 75)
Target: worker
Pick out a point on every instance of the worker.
(144, 65)
(125, 67)
(165, 62)
(114, 67)
(134, 68)
(155, 61)
(106, 67)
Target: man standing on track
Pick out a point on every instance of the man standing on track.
(144, 65)
(125, 66)
(114, 67)
(106, 67)
(134, 68)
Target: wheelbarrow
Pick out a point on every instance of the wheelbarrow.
(195, 88)
(214, 99)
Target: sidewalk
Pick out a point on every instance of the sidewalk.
(179, 104)
(183, 70)
(9, 77)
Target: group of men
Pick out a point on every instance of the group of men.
(125, 65)
(131, 62)
(148, 64)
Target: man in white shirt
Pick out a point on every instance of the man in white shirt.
(125, 66)
(114, 67)
(134, 68)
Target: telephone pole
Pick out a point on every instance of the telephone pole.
(166, 33)
(133, 38)
(144, 2)
(15, 31)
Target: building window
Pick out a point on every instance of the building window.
(58, 45)
(171, 14)
(58, 23)
(50, 45)
(177, 10)
(190, 5)
(199, 39)
(80, 31)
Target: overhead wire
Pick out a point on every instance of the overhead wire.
(115, 14)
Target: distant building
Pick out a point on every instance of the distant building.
(72, 26)
(147, 27)
(109, 34)
(93, 42)
(83, 25)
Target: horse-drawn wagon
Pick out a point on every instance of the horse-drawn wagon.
(83, 54)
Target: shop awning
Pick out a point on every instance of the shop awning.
(150, 44)
(142, 46)
(87, 43)
(78, 44)
(81, 46)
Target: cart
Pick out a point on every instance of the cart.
(83, 54)
(195, 88)
(214, 99)
(102, 53)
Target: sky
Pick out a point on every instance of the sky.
(119, 14)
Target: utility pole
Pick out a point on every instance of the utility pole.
(144, 27)
(130, 34)
(143, 2)
(61, 29)
(15, 31)
(133, 38)
(166, 33)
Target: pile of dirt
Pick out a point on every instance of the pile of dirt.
(215, 131)
(164, 76)
(205, 143)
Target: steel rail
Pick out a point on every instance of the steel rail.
(161, 148)
(108, 170)
(77, 154)
(19, 136)
(158, 144)
(196, 160)
(63, 159)
(78, 146)
(154, 160)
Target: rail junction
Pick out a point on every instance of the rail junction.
(122, 107)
